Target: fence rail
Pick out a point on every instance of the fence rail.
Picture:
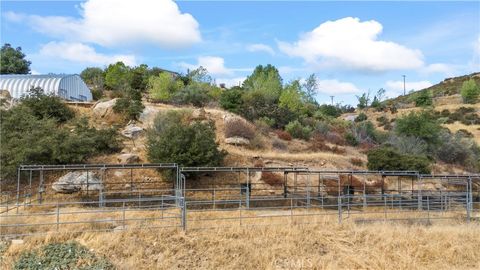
(303, 196)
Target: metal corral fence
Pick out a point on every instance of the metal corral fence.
(116, 197)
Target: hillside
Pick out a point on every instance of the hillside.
(449, 88)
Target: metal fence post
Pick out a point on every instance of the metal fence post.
(385, 207)
(339, 209)
(469, 199)
(247, 200)
(123, 216)
(428, 209)
(18, 188)
(184, 214)
(58, 216)
(419, 195)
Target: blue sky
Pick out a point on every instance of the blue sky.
(352, 47)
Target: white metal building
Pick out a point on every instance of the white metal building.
(68, 87)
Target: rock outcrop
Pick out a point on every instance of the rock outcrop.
(237, 141)
(132, 131)
(102, 109)
(77, 181)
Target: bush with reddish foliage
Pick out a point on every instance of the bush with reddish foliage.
(238, 127)
(283, 135)
(318, 144)
(335, 138)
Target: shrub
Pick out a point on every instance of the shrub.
(356, 162)
(187, 144)
(283, 135)
(322, 127)
(457, 149)
(297, 130)
(330, 110)
(335, 138)
(238, 127)
(257, 142)
(408, 145)
(423, 98)
(361, 117)
(279, 144)
(70, 255)
(464, 133)
(130, 109)
(421, 125)
(195, 94)
(387, 159)
(231, 100)
(263, 125)
(351, 139)
(46, 106)
(27, 139)
(382, 121)
(470, 91)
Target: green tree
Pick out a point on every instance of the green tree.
(12, 61)
(93, 77)
(199, 75)
(265, 80)
(470, 91)
(117, 76)
(139, 77)
(310, 88)
(163, 87)
(291, 97)
(130, 105)
(363, 100)
(231, 100)
(174, 139)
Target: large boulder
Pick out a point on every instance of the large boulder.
(132, 131)
(148, 115)
(6, 100)
(128, 158)
(104, 108)
(237, 141)
(77, 181)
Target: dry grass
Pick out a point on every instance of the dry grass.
(325, 245)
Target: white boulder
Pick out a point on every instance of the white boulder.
(132, 131)
(77, 181)
(104, 108)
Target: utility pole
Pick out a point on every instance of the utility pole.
(331, 97)
(404, 90)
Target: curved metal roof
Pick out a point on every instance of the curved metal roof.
(70, 87)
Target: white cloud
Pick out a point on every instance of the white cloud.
(352, 44)
(13, 16)
(395, 88)
(113, 22)
(258, 47)
(81, 53)
(230, 82)
(335, 87)
(215, 65)
(445, 69)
